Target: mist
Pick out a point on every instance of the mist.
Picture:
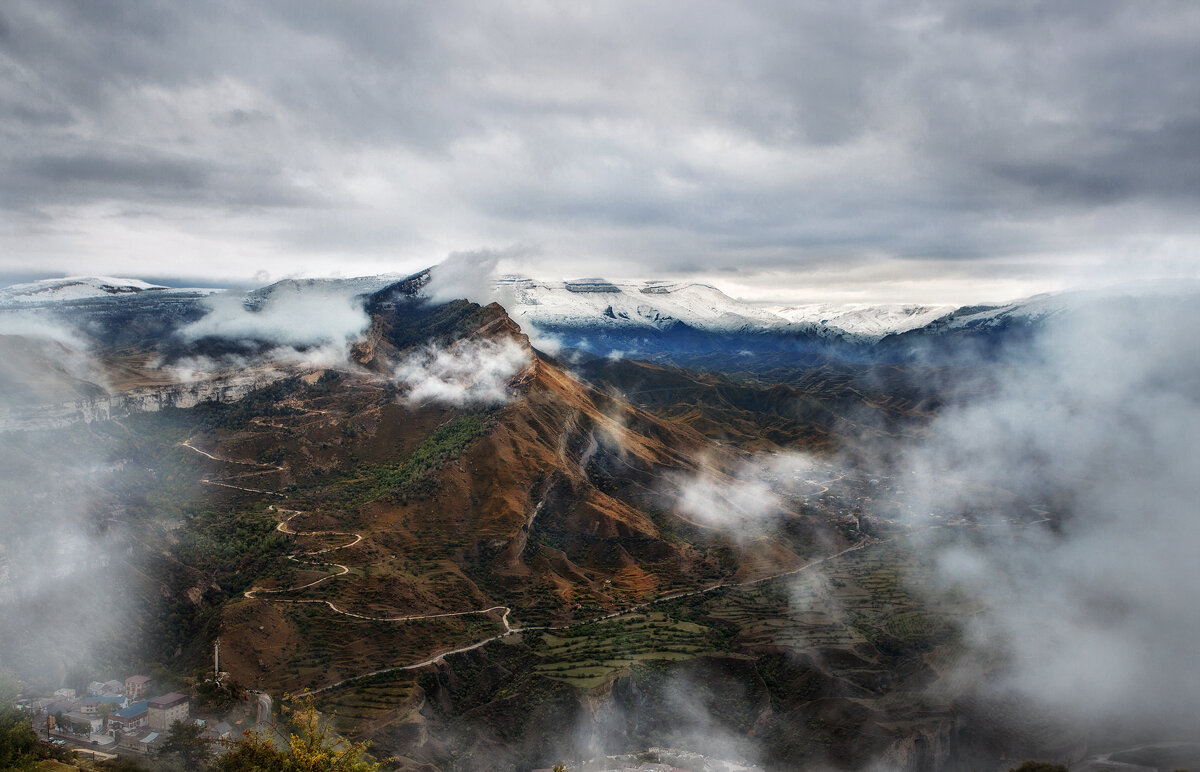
(59, 541)
(290, 315)
(1078, 463)
(469, 372)
(741, 500)
(470, 275)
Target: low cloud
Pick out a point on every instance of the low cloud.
(682, 719)
(740, 501)
(1080, 460)
(291, 316)
(199, 368)
(27, 325)
(470, 275)
(51, 346)
(469, 372)
(718, 501)
(541, 340)
(61, 537)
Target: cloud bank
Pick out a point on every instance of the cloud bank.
(61, 537)
(1096, 429)
(470, 275)
(872, 140)
(475, 371)
(290, 316)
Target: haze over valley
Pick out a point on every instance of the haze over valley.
(740, 536)
(716, 387)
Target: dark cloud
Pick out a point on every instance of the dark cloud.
(108, 170)
(701, 135)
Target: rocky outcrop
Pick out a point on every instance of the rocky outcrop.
(227, 388)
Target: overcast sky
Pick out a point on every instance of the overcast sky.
(858, 150)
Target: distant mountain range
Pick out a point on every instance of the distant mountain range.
(660, 305)
(460, 528)
(682, 323)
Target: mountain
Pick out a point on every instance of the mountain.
(82, 288)
(479, 554)
(872, 321)
(661, 305)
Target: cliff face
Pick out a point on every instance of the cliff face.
(225, 389)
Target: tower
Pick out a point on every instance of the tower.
(217, 659)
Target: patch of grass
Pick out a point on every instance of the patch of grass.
(586, 655)
(415, 475)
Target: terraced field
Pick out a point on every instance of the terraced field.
(314, 647)
(586, 655)
(361, 707)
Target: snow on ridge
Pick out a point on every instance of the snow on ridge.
(659, 304)
(82, 288)
(600, 302)
(865, 319)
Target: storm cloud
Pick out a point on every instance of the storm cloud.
(1035, 142)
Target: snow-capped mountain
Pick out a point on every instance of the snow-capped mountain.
(653, 305)
(866, 320)
(82, 288)
(661, 305)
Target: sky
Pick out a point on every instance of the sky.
(867, 150)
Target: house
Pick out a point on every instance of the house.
(136, 715)
(66, 695)
(219, 731)
(167, 709)
(83, 723)
(113, 687)
(65, 706)
(136, 686)
(95, 688)
(91, 705)
(142, 742)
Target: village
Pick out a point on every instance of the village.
(120, 717)
(135, 717)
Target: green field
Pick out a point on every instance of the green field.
(585, 655)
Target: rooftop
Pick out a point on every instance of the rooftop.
(134, 710)
(168, 700)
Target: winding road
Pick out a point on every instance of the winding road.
(283, 527)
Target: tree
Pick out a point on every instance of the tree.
(1039, 766)
(185, 743)
(19, 746)
(310, 749)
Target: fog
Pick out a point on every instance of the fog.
(741, 500)
(59, 542)
(1064, 483)
(291, 315)
(1090, 613)
(468, 275)
(475, 371)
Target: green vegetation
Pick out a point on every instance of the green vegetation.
(185, 745)
(586, 655)
(414, 476)
(233, 547)
(19, 746)
(310, 748)
(368, 699)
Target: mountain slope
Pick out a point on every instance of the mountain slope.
(557, 504)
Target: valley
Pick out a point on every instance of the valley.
(476, 555)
